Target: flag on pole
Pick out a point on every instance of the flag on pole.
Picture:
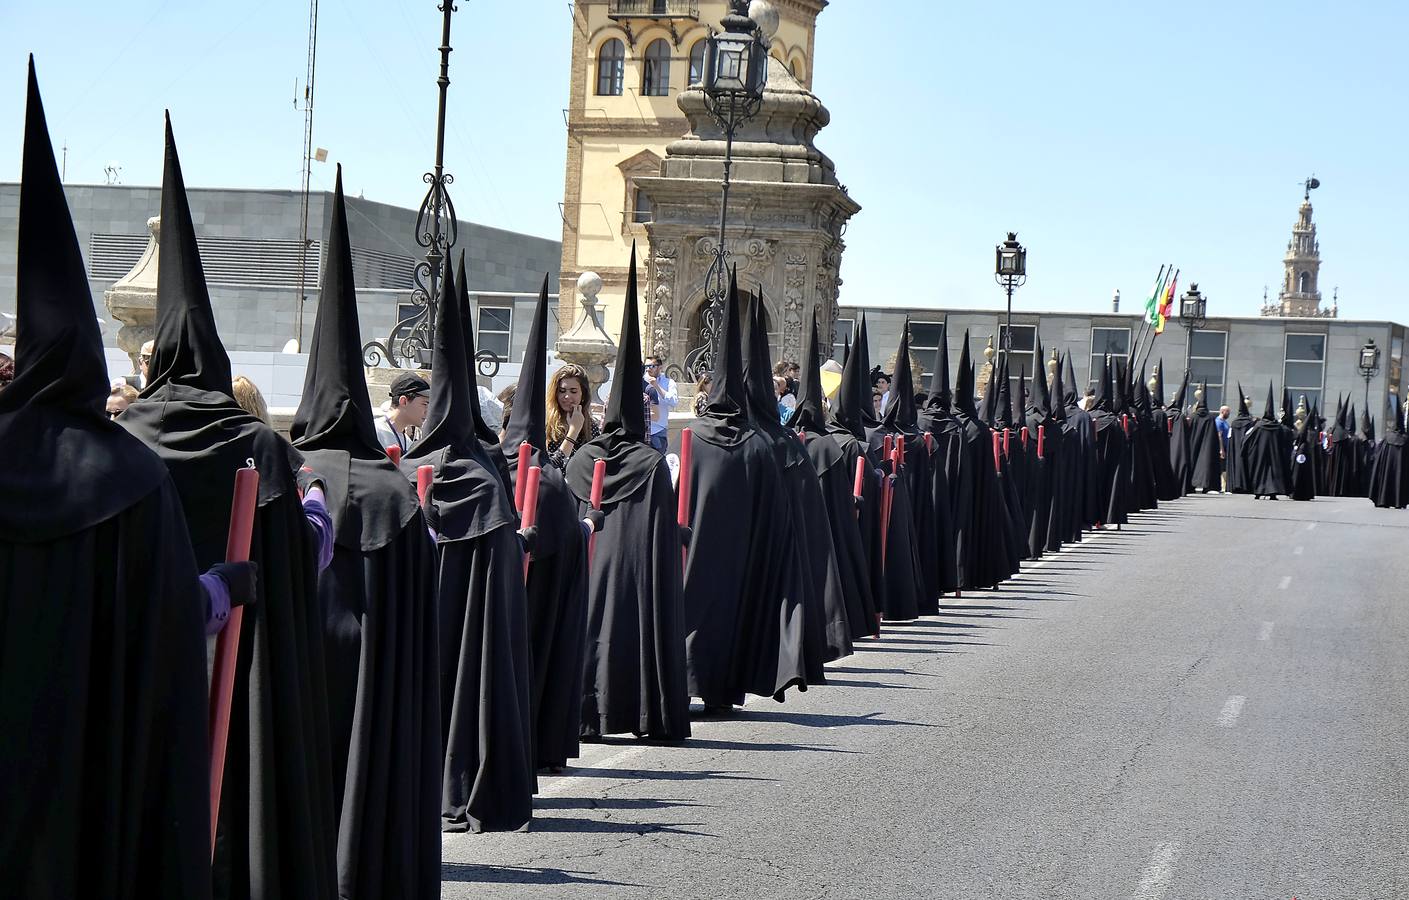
(1166, 303)
(1152, 301)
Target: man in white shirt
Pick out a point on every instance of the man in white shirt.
(668, 396)
(410, 401)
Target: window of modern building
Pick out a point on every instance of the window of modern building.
(611, 65)
(1024, 345)
(655, 69)
(1112, 341)
(924, 340)
(697, 58)
(640, 207)
(1208, 357)
(495, 326)
(1304, 369)
(846, 328)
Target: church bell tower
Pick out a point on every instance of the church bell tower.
(1300, 295)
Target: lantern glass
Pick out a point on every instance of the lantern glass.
(728, 68)
(1007, 261)
(1369, 356)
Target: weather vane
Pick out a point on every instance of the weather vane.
(1311, 184)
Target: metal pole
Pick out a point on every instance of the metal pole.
(1008, 326)
(1188, 346)
(719, 251)
(433, 254)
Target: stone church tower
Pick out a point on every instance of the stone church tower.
(1300, 295)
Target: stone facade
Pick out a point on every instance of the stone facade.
(1299, 296)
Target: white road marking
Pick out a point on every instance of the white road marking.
(1311, 526)
(1231, 710)
(1266, 632)
(611, 762)
(1299, 550)
(1284, 583)
(1158, 873)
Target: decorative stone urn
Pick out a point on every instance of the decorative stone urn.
(132, 299)
(586, 344)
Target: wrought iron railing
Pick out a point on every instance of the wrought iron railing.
(653, 9)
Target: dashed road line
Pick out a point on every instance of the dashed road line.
(1299, 550)
(1284, 583)
(1266, 632)
(1231, 710)
(1158, 874)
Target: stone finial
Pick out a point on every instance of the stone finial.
(989, 352)
(765, 16)
(132, 299)
(586, 344)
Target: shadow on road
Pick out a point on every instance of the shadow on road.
(861, 670)
(473, 874)
(843, 682)
(662, 775)
(567, 824)
(540, 803)
(826, 720)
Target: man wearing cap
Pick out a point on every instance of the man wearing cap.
(410, 399)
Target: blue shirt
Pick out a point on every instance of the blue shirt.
(1223, 430)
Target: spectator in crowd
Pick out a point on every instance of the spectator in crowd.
(410, 400)
(120, 397)
(144, 358)
(787, 371)
(881, 382)
(1089, 400)
(568, 425)
(250, 399)
(506, 400)
(877, 401)
(491, 409)
(667, 398)
(702, 393)
(7, 370)
(786, 402)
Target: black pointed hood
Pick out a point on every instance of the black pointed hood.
(758, 376)
(1288, 410)
(1269, 408)
(368, 498)
(187, 414)
(487, 432)
(724, 419)
(940, 397)
(1367, 425)
(1201, 404)
(631, 462)
(528, 418)
(809, 414)
(69, 467)
(468, 494)
(853, 394)
(1073, 394)
(1396, 418)
(964, 382)
(1180, 396)
(1041, 397)
(900, 411)
(1158, 399)
(186, 346)
(1243, 411)
(1058, 403)
(1103, 387)
(1004, 412)
(862, 348)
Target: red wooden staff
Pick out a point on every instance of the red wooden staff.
(521, 483)
(394, 453)
(1125, 423)
(929, 442)
(1025, 434)
(682, 490)
(997, 451)
(1169, 425)
(424, 476)
(858, 488)
(1007, 433)
(530, 504)
(599, 479)
(227, 646)
(1041, 436)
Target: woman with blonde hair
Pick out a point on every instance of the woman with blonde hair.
(569, 392)
(250, 399)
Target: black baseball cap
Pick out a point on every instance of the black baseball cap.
(409, 386)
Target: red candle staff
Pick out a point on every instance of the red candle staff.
(424, 476)
(682, 491)
(1025, 435)
(929, 442)
(1125, 423)
(997, 451)
(1041, 436)
(859, 487)
(530, 504)
(599, 479)
(521, 483)
(1006, 435)
(227, 646)
(394, 452)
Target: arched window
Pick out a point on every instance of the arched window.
(655, 73)
(697, 58)
(1303, 283)
(611, 63)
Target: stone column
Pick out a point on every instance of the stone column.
(586, 344)
(132, 299)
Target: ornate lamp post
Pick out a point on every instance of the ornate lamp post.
(410, 341)
(1193, 315)
(735, 73)
(1369, 366)
(1010, 271)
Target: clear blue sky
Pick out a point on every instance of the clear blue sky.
(1112, 136)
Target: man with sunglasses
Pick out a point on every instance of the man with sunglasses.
(666, 398)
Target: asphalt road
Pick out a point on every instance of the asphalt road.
(1211, 703)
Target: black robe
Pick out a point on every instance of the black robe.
(1389, 473)
(1238, 428)
(1303, 465)
(1267, 459)
(1205, 452)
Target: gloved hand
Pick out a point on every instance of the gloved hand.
(686, 535)
(308, 479)
(595, 518)
(529, 537)
(857, 502)
(431, 515)
(241, 580)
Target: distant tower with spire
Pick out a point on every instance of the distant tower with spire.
(1299, 295)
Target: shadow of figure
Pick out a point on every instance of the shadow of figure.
(470, 873)
(826, 720)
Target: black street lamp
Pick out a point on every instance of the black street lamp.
(1193, 315)
(735, 74)
(1369, 366)
(410, 341)
(1010, 271)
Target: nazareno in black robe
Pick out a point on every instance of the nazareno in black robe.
(1110, 447)
(277, 836)
(1043, 469)
(379, 609)
(1166, 484)
(634, 675)
(936, 421)
(556, 588)
(1086, 492)
(1389, 472)
(1303, 463)
(103, 728)
(487, 774)
(1180, 439)
(743, 583)
(837, 483)
(982, 534)
(1267, 455)
(1237, 436)
(1205, 448)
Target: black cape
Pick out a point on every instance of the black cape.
(102, 654)
(1266, 455)
(1389, 471)
(1205, 448)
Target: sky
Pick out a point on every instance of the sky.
(1113, 137)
